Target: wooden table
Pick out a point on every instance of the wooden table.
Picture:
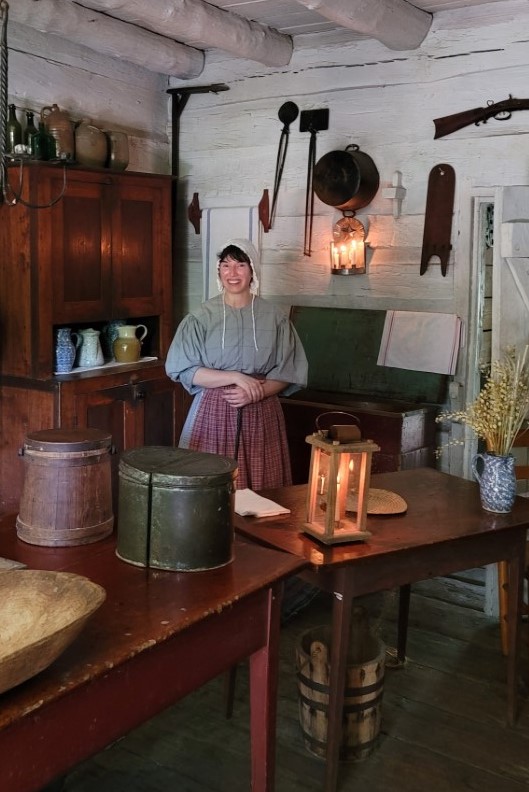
(444, 530)
(158, 636)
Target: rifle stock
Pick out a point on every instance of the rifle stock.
(501, 111)
(448, 124)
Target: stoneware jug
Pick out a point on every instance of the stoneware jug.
(66, 344)
(91, 145)
(127, 346)
(57, 123)
(118, 150)
(90, 354)
(497, 481)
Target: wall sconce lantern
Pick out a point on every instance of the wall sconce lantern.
(347, 180)
(348, 247)
(339, 478)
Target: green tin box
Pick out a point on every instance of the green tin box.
(175, 508)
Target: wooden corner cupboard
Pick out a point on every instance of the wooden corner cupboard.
(79, 248)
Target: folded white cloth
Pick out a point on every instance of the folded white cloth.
(420, 341)
(248, 503)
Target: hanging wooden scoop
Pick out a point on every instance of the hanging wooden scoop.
(438, 216)
(287, 113)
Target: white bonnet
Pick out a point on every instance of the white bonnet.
(247, 247)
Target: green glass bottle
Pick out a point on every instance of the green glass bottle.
(14, 130)
(42, 145)
(30, 129)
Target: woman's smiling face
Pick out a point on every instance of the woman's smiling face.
(235, 275)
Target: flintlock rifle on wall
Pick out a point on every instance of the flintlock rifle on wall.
(501, 111)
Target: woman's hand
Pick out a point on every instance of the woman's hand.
(245, 391)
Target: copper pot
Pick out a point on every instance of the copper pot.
(346, 179)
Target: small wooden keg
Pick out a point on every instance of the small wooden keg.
(176, 508)
(362, 709)
(67, 494)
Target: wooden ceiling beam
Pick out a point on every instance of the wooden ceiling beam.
(202, 25)
(395, 23)
(109, 36)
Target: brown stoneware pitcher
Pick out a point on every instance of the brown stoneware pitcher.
(127, 346)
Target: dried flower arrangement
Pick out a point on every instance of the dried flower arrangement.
(501, 408)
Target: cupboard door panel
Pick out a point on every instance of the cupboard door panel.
(80, 254)
(141, 263)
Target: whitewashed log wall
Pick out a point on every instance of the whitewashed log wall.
(385, 103)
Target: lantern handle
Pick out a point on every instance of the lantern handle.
(332, 426)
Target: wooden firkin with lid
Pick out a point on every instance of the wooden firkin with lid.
(67, 496)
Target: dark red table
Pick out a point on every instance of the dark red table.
(158, 636)
(444, 530)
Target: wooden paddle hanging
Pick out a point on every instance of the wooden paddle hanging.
(438, 217)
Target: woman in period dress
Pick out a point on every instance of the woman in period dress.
(235, 354)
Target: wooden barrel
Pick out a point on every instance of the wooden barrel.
(363, 694)
(67, 496)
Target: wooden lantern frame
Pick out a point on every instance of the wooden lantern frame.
(332, 525)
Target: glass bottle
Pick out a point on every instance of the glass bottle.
(42, 145)
(30, 129)
(14, 130)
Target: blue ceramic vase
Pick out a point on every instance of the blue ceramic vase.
(497, 481)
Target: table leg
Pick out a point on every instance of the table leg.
(341, 625)
(515, 578)
(404, 612)
(263, 698)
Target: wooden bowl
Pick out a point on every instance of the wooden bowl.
(40, 615)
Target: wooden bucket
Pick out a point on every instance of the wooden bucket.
(67, 496)
(363, 694)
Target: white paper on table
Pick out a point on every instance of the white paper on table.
(420, 341)
(249, 504)
(218, 226)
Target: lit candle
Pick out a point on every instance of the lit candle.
(352, 253)
(343, 251)
(361, 256)
(337, 508)
(335, 258)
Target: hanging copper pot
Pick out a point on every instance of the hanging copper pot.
(346, 179)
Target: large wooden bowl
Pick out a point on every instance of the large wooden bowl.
(40, 615)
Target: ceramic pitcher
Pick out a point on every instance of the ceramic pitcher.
(109, 333)
(66, 345)
(127, 346)
(90, 354)
(497, 481)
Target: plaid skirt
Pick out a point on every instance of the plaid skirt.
(263, 458)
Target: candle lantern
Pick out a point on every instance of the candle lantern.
(348, 247)
(339, 478)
